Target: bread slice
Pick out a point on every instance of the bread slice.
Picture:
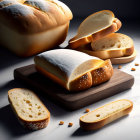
(95, 27)
(105, 114)
(112, 46)
(72, 69)
(28, 108)
(124, 59)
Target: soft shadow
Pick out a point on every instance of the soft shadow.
(81, 132)
(55, 109)
(10, 122)
(8, 59)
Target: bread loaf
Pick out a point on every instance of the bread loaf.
(72, 69)
(28, 27)
(95, 27)
(105, 114)
(28, 108)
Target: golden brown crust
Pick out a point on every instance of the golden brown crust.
(116, 25)
(125, 59)
(28, 17)
(98, 124)
(102, 74)
(106, 54)
(32, 125)
(81, 83)
(91, 78)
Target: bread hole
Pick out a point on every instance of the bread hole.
(119, 45)
(23, 111)
(35, 104)
(103, 46)
(98, 115)
(30, 116)
(30, 104)
(30, 109)
(27, 101)
(39, 113)
(39, 107)
(112, 45)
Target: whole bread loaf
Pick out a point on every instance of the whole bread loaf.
(28, 27)
(72, 69)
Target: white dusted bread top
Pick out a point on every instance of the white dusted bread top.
(66, 66)
(33, 16)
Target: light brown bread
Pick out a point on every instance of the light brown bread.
(73, 70)
(105, 114)
(114, 45)
(30, 111)
(95, 27)
(28, 27)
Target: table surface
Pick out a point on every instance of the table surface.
(125, 128)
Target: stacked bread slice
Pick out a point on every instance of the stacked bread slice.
(96, 36)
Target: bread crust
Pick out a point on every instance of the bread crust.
(32, 125)
(74, 44)
(91, 78)
(107, 54)
(125, 59)
(28, 45)
(99, 124)
(29, 17)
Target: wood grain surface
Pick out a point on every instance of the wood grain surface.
(120, 81)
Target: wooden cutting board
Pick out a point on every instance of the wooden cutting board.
(74, 100)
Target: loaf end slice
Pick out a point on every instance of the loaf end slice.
(105, 114)
(30, 111)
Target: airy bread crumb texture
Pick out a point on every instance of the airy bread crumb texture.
(27, 105)
(106, 111)
(114, 41)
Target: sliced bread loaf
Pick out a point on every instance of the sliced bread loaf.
(28, 108)
(73, 69)
(94, 27)
(105, 114)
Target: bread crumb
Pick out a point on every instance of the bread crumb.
(119, 67)
(136, 64)
(87, 110)
(61, 123)
(70, 125)
(133, 69)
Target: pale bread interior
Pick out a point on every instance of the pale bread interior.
(114, 41)
(106, 111)
(67, 64)
(94, 23)
(27, 105)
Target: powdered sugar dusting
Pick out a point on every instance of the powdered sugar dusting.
(18, 10)
(40, 4)
(7, 3)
